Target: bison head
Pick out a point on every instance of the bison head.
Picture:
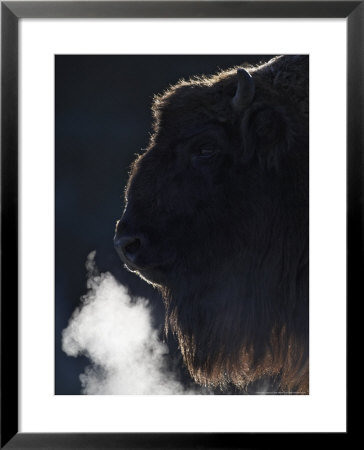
(216, 217)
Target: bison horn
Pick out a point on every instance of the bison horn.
(244, 92)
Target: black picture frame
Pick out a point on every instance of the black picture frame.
(11, 12)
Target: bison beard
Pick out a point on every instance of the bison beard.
(216, 218)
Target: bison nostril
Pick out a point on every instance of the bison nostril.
(132, 246)
(128, 247)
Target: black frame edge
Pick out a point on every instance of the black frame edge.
(10, 13)
(9, 224)
(355, 164)
(183, 9)
(159, 441)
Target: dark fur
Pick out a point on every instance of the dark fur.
(227, 236)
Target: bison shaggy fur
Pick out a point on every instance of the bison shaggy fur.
(216, 218)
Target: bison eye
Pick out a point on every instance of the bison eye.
(207, 151)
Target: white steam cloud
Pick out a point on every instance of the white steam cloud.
(115, 332)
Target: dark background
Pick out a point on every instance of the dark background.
(102, 120)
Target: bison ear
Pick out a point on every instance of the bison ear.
(265, 136)
(245, 91)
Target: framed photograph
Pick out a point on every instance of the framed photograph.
(181, 222)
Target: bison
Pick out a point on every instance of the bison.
(216, 218)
